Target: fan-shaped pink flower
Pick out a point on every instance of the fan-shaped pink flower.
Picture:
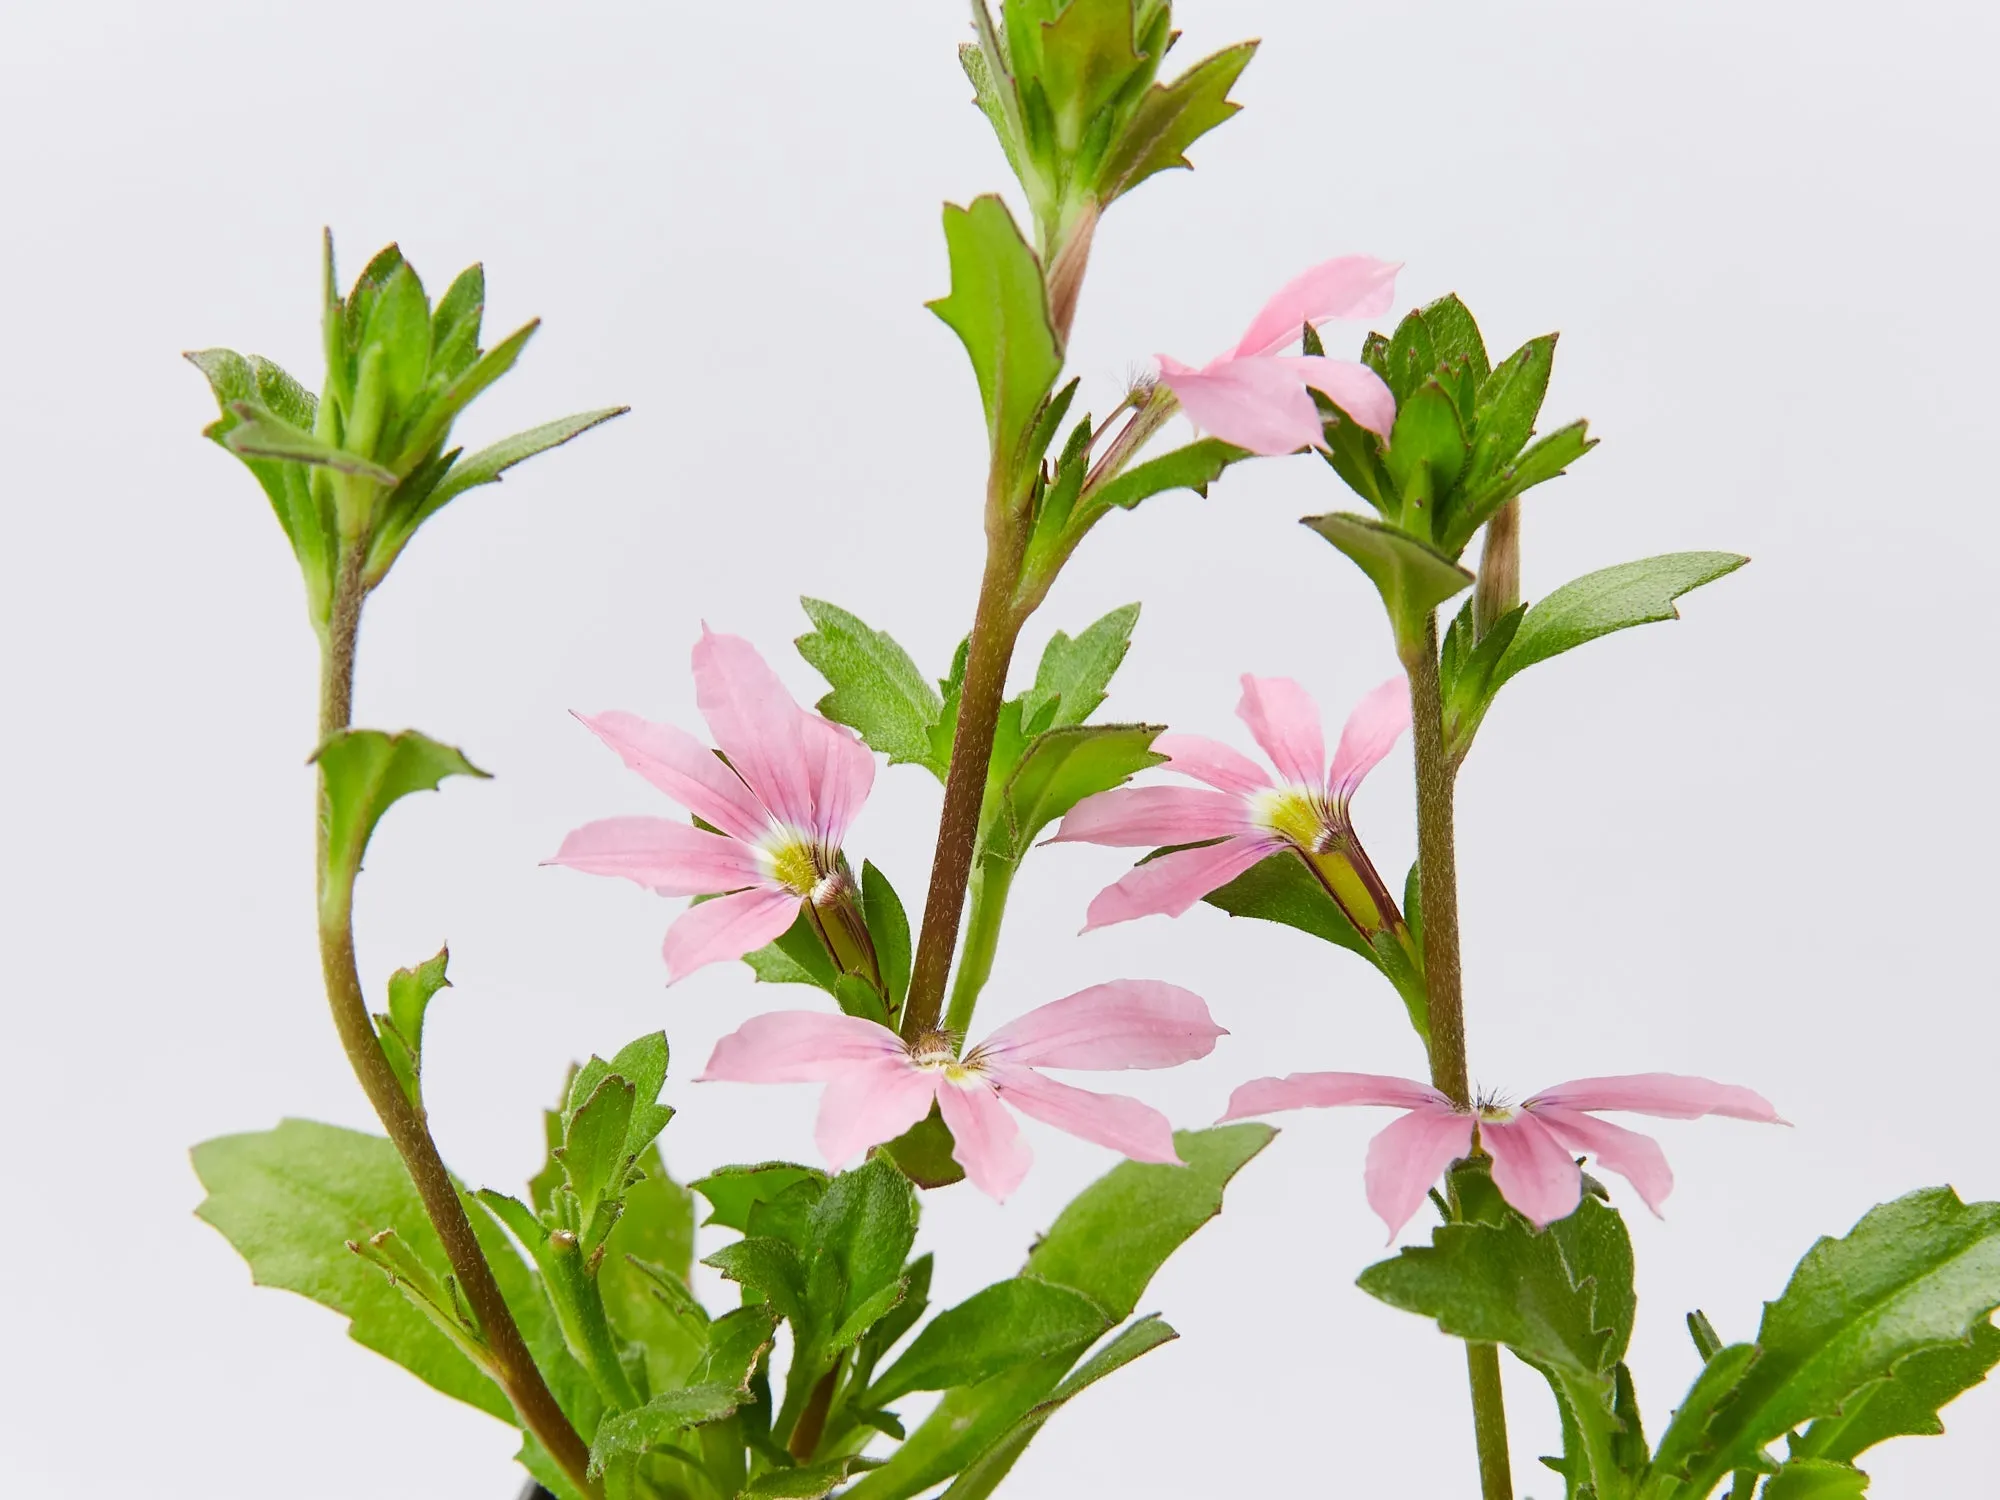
(782, 800)
(1534, 1145)
(1257, 398)
(1244, 813)
(878, 1085)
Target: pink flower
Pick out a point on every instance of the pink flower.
(1257, 398)
(1246, 815)
(783, 799)
(878, 1085)
(1533, 1145)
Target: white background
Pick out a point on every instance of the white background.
(1754, 844)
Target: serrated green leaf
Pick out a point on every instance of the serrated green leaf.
(998, 307)
(1427, 452)
(1906, 1404)
(655, 1227)
(806, 1482)
(733, 1191)
(1003, 1325)
(769, 1267)
(860, 1231)
(1687, 1434)
(737, 1342)
(1074, 674)
(259, 432)
(365, 773)
(888, 930)
(1455, 335)
(1171, 117)
(1106, 1244)
(660, 1420)
(1058, 770)
(1544, 460)
(983, 1475)
(1913, 1275)
(1509, 402)
(399, 523)
(877, 690)
(1195, 466)
(593, 1154)
(1086, 53)
(1412, 577)
(287, 486)
(1611, 599)
(401, 1028)
(924, 1152)
(290, 1199)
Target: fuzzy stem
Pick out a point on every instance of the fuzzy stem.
(996, 625)
(1499, 587)
(1438, 866)
(404, 1122)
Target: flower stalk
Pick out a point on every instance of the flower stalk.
(404, 1121)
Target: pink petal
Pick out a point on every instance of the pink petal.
(1138, 1130)
(728, 927)
(801, 1046)
(1256, 404)
(675, 859)
(1128, 1023)
(1533, 1170)
(1635, 1157)
(1213, 762)
(1673, 1096)
(1261, 1096)
(685, 769)
(1372, 730)
(986, 1141)
(840, 771)
(1285, 721)
(756, 723)
(1144, 817)
(1355, 389)
(1349, 286)
(1172, 883)
(1407, 1157)
(869, 1103)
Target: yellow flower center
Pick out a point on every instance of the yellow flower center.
(1294, 814)
(793, 866)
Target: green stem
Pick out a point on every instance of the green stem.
(580, 1310)
(991, 882)
(996, 625)
(1438, 872)
(405, 1124)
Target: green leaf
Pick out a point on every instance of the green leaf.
(455, 324)
(888, 929)
(1086, 53)
(983, 1475)
(401, 1028)
(924, 1152)
(767, 1266)
(998, 307)
(1906, 1404)
(798, 957)
(733, 1191)
(1195, 467)
(1543, 461)
(1687, 1434)
(1281, 889)
(1498, 1284)
(655, 1230)
(1611, 599)
(1598, 1253)
(1004, 1325)
(877, 690)
(1059, 769)
(806, 1482)
(486, 466)
(1914, 1275)
(593, 1154)
(1106, 1244)
(1706, 1342)
(290, 1199)
(1465, 672)
(1412, 577)
(660, 1420)
(366, 772)
(1074, 674)
(261, 433)
(1455, 336)
(399, 325)
(860, 1230)
(1509, 402)
(1427, 450)
(428, 429)
(1816, 1479)
(1171, 117)
(737, 1341)
(1408, 359)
